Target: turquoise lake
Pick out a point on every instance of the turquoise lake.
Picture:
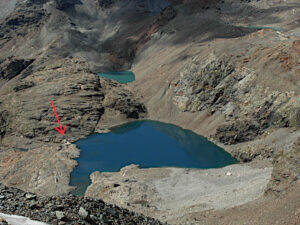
(148, 144)
(122, 77)
(263, 27)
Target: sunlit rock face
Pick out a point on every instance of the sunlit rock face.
(216, 84)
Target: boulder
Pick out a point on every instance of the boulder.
(60, 215)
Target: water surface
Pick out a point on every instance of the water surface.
(149, 144)
(122, 77)
(264, 27)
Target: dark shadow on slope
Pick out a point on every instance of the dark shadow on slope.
(206, 30)
(67, 4)
(83, 30)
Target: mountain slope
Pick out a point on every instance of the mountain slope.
(228, 70)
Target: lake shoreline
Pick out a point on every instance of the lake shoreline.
(151, 144)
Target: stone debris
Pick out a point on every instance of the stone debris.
(83, 213)
(67, 209)
(60, 215)
(228, 173)
(30, 196)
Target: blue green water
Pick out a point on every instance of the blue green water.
(262, 27)
(122, 77)
(148, 144)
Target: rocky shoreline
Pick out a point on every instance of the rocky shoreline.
(68, 209)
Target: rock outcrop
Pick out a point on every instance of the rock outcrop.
(216, 84)
(27, 129)
(79, 98)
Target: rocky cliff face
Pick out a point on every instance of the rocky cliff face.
(78, 97)
(216, 84)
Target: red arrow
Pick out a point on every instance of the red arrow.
(60, 130)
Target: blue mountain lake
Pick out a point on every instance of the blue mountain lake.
(122, 77)
(148, 144)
